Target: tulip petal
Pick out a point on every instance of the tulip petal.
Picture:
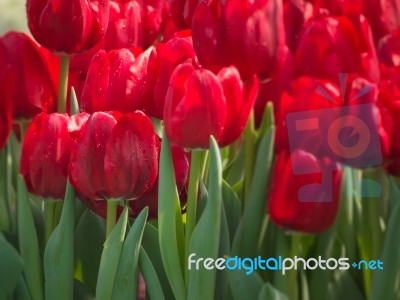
(195, 107)
(86, 170)
(131, 157)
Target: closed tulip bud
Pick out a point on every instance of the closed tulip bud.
(35, 72)
(195, 107)
(115, 156)
(305, 202)
(69, 26)
(115, 82)
(247, 34)
(46, 153)
(150, 198)
(161, 63)
(240, 98)
(200, 103)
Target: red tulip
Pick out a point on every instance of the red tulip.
(329, 46)
(182, 12)
(195, 107)
(382, 15)
(69, 26)
(272, 89)
(240, 99)
(35, 72)
(295, 14)
(114, 156)
(323, 101)
(200, 104)
(150, 198)
(6, 89)
(247, 34)
(155, 16)
(135, 23)
(124, 30)
(132, 24)
(116, 81)
(46, 153)
(125, 25)
(389, 50)
(306, 202)
(162, 62)
(389, 98)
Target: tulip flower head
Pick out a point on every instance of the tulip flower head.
(150, 197)
(46, 153)
(35, 70)
(68, 26)
(243, 33)
(200, 103)
(115, 156)
(304, 202)
(116, 81)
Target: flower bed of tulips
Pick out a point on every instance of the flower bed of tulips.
(192, 149)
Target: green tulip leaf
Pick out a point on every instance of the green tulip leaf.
(170, 223)
(385, 283)
(21, 292)
(125, 285)
(81, 292)
(344, 287)
(11, 267)
(151, 246)
(206, 235)
(244, 286)
(271, 293)
(5, 214)
(28, 243)
(153, 285)
(248, 234)
(59, 253)
(89, 240)
(110, 258)
(232, 207)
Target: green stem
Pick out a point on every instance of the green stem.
(249, 156)
(293, 274)
(196, 170)
(50, 208)
(63, 84)
(57, 212)
(5, 213)
(232, 152)
(112, 205)
(282, 248)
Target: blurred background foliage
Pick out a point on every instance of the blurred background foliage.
(12, 16)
